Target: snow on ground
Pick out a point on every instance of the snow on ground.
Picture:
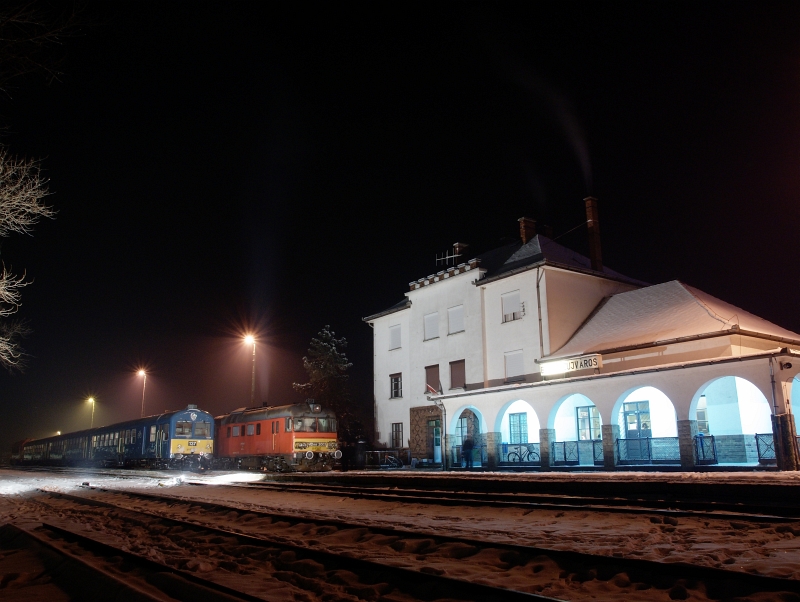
(772, 549)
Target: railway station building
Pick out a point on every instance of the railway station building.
(544, 357)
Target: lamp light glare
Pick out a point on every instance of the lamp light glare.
(249, 339)
(141, 373)
(558, 367)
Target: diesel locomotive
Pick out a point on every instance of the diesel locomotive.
(299, 437)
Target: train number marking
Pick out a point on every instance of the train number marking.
(192, 443)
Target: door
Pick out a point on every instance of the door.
(435, 440)
(637, 429)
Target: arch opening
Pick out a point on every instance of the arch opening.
(648, 427)
(578, 431)
(735, 412)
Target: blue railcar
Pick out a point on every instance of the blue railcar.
(182, 439)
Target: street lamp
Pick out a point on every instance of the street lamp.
(144, 384)
(91, 401)
(250, 340)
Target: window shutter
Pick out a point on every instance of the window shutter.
(455, 318)
(394, 337)
(432, 326)
(514, 365)
(458, 377)
(432, 377)
(511, 303)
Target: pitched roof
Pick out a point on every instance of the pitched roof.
(540, 249)
(671, 310)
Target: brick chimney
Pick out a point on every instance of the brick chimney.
(527, 229)
(593, 223)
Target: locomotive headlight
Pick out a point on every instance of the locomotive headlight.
(309, 455)
(337, 454)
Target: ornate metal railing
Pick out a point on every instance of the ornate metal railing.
(597, 451)
(565, 453)
(649, 450)
(766, 447)
(705, 449)
(520, 453)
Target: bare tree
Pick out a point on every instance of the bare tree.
(31, 36)
(22, 193)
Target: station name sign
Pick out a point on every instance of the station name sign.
(584, 362)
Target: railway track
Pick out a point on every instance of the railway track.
(81, 568)
(667, 580)
(304, 564)
(675, 508)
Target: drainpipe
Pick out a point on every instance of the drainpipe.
(772, 380)
(539, 311)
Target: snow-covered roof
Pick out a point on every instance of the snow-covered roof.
(663, 312)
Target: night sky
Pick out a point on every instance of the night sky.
(222, 168)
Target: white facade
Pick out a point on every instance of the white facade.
(664, 346)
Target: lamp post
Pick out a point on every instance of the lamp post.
(249, 339)
(91, 401)
(144, 384)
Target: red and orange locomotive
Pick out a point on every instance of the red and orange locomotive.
(300, 437)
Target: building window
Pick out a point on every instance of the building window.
(397, 435)
(588, 423)
(512, 308)
(395, 385)
(515, 369)
(432, 379)
(431, 323)
(394, 337)
(458, 375)
(702, 416)
(518, 427)
(462, 430)
(455, 319)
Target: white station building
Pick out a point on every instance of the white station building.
(544, 357)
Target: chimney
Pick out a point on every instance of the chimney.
(527, 229)
(594, 233)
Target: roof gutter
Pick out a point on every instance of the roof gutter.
(733, 330)
(386, 312)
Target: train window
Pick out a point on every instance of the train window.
(183, 428)
(258, 428)
(288, 425)
(152, 433)
(236, 431)
(305, 425)
(202, 429)
(277, 426)
(327, 425)
(229, 431)
(165, 432)
(251, 428)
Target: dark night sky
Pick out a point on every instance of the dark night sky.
(220, 167)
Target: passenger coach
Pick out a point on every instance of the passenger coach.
(182, 439)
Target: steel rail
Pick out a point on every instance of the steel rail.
(677, 570)
(675, 508)
(409, 580)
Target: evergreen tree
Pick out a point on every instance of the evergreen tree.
(328, 383)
